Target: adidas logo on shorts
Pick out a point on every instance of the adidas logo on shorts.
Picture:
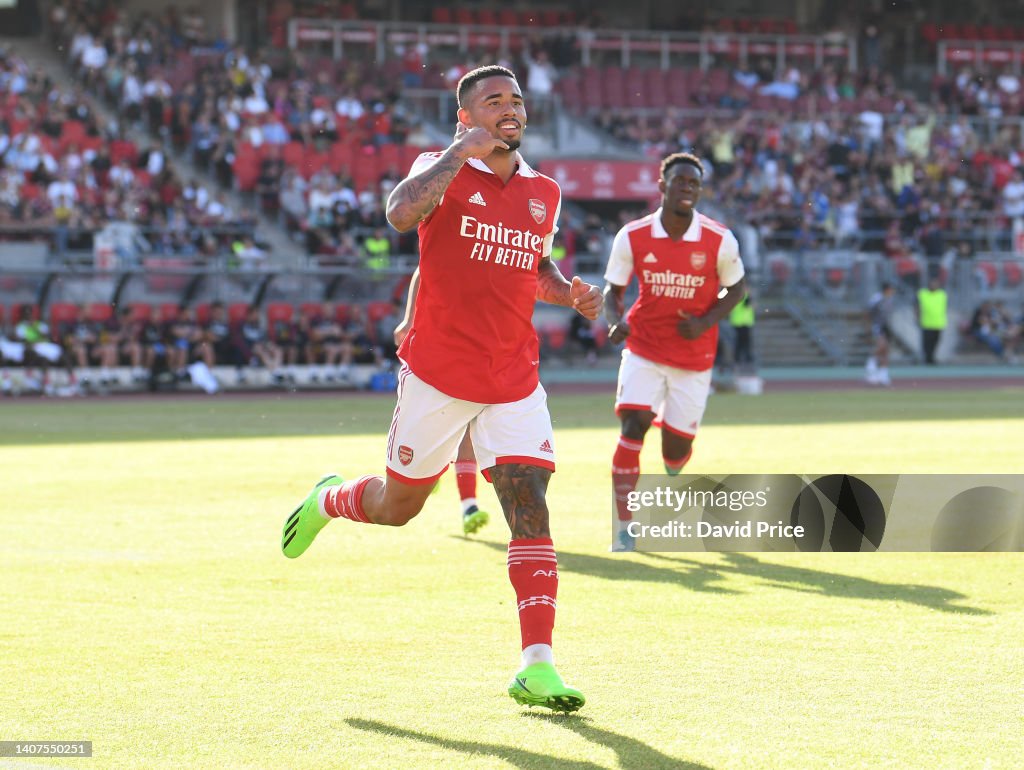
(478, 199)
(546, 447)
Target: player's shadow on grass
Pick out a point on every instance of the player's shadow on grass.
(814, 581)
(712, 577)
(693, 575)
(514, 755)
(632, 754)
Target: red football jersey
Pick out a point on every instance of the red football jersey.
(472, 333)
(684, 275)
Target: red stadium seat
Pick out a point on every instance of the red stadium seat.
(203, 313)
(293, 153)
(280, 312)
(377, 310)
(486, 17)
(63, 314)
(100, 312)
(237, 312)
(1013, 274)
(441, 15)
(342, 312)
(122, 149)
(341, 157)
(989, 272)
(907, 266)
(246, 169)
(780, 271)
(16, 312)
(311, 308)
(141, 311)
(168, 311)
(835, 277)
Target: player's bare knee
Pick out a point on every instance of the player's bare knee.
(635, 424)
(674, 446)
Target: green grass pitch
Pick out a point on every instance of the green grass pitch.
(146, 605)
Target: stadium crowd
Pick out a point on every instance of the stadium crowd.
(98, 345)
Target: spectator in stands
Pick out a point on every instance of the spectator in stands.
(219, 342)
(378, 251)
(39, 349)
(327, 345)
(582, 333)
(986, 327)
(357, 341)
(258, 348)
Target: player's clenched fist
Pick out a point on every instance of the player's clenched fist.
(476, 142)
(586, 299)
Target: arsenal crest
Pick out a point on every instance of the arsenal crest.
(698, 259)
(538, 211)
(404, 454)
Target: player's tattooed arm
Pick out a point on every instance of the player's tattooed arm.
(551, 284)
(577, 294)
(521, 490)
(416, 196)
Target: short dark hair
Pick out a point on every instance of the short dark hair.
(473, 77)
(681, 157)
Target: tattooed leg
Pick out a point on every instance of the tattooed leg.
(521, 489)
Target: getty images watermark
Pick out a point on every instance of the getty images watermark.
(832, 512)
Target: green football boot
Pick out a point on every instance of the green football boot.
(473, 520)
(305, 522)
(540, 685)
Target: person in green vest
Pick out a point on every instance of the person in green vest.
(742, 320)
(931, 316)
(378, 250)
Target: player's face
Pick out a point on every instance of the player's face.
(496, 103)
(680, 190)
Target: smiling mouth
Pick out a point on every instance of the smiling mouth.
(510, 125)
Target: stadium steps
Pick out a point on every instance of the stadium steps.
(780, 339)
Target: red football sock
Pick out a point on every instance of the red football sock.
(465, 477)
(625, 472)
(346, 500)
(533, 572)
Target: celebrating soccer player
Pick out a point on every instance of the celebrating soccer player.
(486, 222)
(682, 260)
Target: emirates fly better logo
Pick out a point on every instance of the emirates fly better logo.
(538, 210)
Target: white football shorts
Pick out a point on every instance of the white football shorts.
(428, 426)
(677, 396)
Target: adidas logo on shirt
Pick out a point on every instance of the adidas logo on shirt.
(478, 199)
(649, 259)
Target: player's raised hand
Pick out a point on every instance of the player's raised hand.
(476, 142)
(691, 327)
(586, 299)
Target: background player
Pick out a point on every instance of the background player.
(465, 459)
(876, 370)
(682, 260)
(486, 223)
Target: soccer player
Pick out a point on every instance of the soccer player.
(690, 275)
(876, 370)
(486, 222)
(465, 460)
